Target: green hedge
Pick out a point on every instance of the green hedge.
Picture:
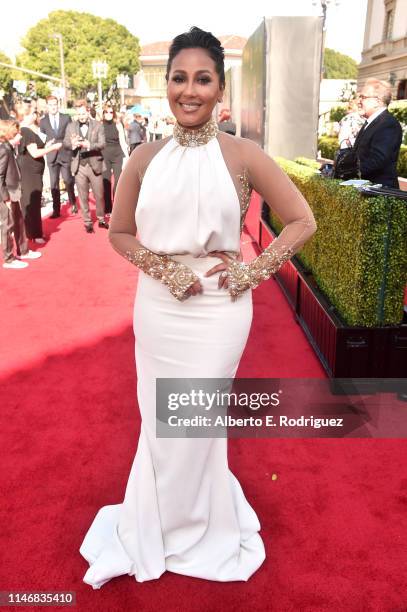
(310, 163)
(402, 162)
(328, 145)
(347, 253)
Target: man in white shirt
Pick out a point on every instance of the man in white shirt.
(54, 126)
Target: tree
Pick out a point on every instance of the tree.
(398, 108)
(339, 66)
(337, 113)
(6, 76)
(85, 38)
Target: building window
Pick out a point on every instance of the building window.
(388, 24)
(402, 90)
(155, 77)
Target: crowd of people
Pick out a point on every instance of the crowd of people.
(85, 149)
(89, 150)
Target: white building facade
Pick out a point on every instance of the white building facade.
(153, 61)
(384, 53)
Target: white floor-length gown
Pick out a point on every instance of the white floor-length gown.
(183, 511)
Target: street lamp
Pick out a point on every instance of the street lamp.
(392, 78)
(324, 4)
(99, 70)
(122, 81)
(61, 59)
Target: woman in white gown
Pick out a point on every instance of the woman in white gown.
(186, 196)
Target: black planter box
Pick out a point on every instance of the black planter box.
(344, 351)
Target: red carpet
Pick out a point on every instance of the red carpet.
(334, 522)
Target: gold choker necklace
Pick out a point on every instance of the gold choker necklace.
(194, 138)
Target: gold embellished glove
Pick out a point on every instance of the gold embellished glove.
(242, 276)
(175, 275)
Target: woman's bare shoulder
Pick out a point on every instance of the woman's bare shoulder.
(144, 153)
(150, 148)
(240, 148)
(240, 144)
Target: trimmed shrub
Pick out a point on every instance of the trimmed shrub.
(358, 256)
(402, 162)
(310, 163)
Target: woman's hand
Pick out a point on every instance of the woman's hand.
(195, 289)
(222, 267)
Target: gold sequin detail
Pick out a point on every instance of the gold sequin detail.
(244, 276)
(245, 195)
(175, 275)
(195, 138)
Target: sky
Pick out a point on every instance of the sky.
(162, 20)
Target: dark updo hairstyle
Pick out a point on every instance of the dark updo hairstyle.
(199, 39)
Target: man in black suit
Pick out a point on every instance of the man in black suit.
(379, 140)
(54, 125)
(86, 139)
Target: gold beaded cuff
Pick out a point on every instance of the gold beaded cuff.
(175, 275)
(244, 276)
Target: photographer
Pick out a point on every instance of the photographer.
(85, 137)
